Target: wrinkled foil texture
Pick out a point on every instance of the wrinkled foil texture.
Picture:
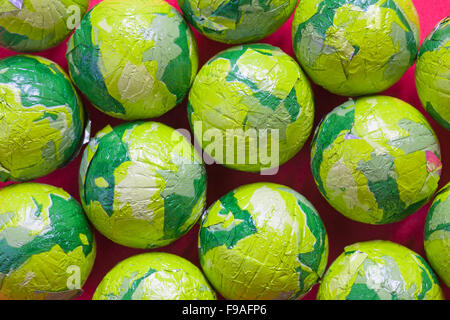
(437, 234)
(379, 270)
(154, 276)
(37, 25)
(133, 59)
(42, 125)
(255, 87)
(433, 73)
(355, 47)
(376, 159)
(262, 241)
(237, 22)
(43, 233)
(142, 184)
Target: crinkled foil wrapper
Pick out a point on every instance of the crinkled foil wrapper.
(133, 59)
(433, 73)
(437, 234)
(353, 47)
(379, 270)
(376, 159)
(37, 25)
(42, 125)
(262, 241)
(236, 22)
(47, 247)
(154, 276)
(257, 97)
(142, 184)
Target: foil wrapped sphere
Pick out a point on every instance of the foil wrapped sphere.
(237, 21)
(376, 159)
(133, 59)
(251, 107)
(262, 241)
(42, 118)
(354, 47)
(37, 25)
(47, 248)
(154, 276)
(379, 270)
(433, 73)
(437, 234)
(142, 184)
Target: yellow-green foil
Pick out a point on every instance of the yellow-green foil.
(142, 184)
(47, 248)
(355, 47)
(263, 241)
(437, 234)
(154, 276)
(379, 270)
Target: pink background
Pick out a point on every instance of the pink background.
(296, 173)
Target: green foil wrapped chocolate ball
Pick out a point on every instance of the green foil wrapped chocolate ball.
(240, 21)
(376, 159)
(142, 184)
(355, 47)
(154, 276)
(379, 270)
(437, 234)
(42, 118)
(37, 25)
(263, 241)
(251, 107)
(433, 73)
(47, 248)
(133, 59)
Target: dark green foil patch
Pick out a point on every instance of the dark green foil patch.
(111, 153)
(292, 106)
(427, 280)
(315, 225)
(85, 56)
(378, 171)
(432, 111)
(266, 98)
(178, 82)
(212, 239)
(332, 125)
(437, 38)
(129, 294)
(178, 208)
(9, 39)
